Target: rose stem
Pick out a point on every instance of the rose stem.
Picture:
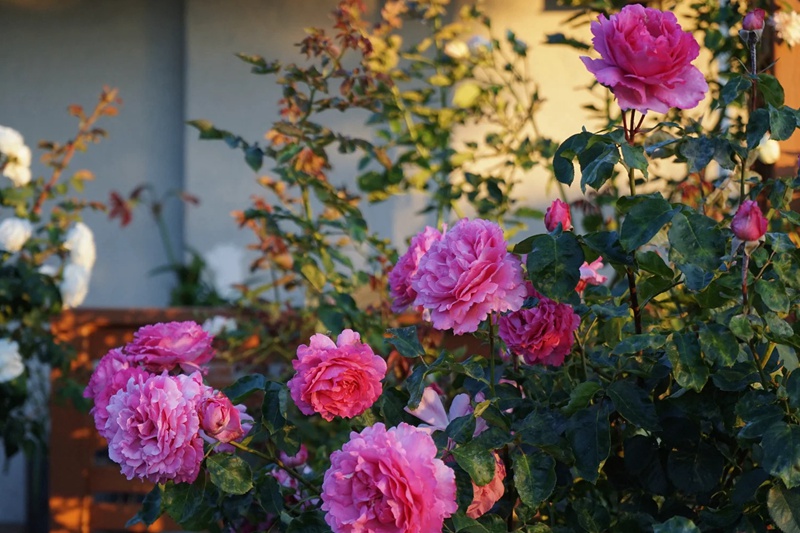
(637, 313)
(278, 462)
(745, 265)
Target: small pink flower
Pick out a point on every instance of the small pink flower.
(431, 411)
(400, 289)
(754, 20)
(388, 481)
(467, 275)
(297, 459)
(484, 497)
(111, 374)
(153, 428)
(590, 275)
(342, 379)
(166, 345)
(541, 334)
(646, 60)
(749, 223)
(219, 419)
(558, 212)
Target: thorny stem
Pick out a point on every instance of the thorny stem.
(278, 462)
(637, 313)
(630, 134)
(745, 264)
(753, 42)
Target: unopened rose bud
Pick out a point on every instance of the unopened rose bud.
(558, 212)
(220, 419)
(754, 20)
(749, 223)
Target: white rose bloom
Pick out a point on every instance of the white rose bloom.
(75, 285)
(17, 156)
(769, 151)
(217, 324)
(14, 233)
(479, 43)
(80, 243)
(457, 49)
(787, 26)
(18, 174)
(11, 142)
(11, 365)
(48, 270)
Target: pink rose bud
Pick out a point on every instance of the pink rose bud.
(558, 212)
(590, 274)
(297, 459)
(749, 223)
(220, 419)
(754, 20)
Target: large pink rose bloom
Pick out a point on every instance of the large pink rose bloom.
(342, 379)
(153, 428)
(166, 345)
(646, 60)
(110, 375)
(541, 334)
(388, 481)
(400, 289)
(467, 275)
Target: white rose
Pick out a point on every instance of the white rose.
(217, 324)
(18, 174)
(11, 142)
(457, 49)
(479, 43)
(11, 365)
(75, 285)
(14, 233)
(80, 243)
(769, 151)
(787, 26)
(17, 156)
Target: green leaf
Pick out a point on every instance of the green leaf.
(534, 476)
(688, 367)
(581, 396)
(741, 327)
(633, 157)
(781, 445)
(770, 89)
(560, 38)
(589, 434)
(695, 470)
(274, 407)
(784, 508)
(757, 126)
(187, 504)
(406, 341)
(477, 461)
(634, 404)
(643, 221)
(606, 243)
(554, 265)
(487, 524)
(653, 263)
(773, 294)
(269, 495)
(254, 157)
(736, 85)
(230, 473)
(719, 344)
(314, 275)
(792, 385)
(698, 151)
(597, 164)
(782, 123)
(311, 522)
(696, 240)
(207, 129)
(244, 387)
(150, 511)
(638, 343)
(676, 524)
(566, 153)
(466, 95)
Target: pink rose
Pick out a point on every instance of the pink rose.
(400, 289)
(541, 334)
(219, 419)
(111, 374)
(484, 497)
(558, 212)
(590, 275)
(297, 459)
(153, 428)
(342, 379)
(749, 223)
(431, 411)
(467, 275)
(388, 481)
(754, 20)
(164, 346)
(646, 60)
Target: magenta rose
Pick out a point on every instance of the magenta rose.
(467, 275)
(754, 20)
(646, 60)
(153, 428)
(484, 497)
(219, 419)
(388, 481)
(558, 212)
(110, 375)
(297, 459)
(749, 223)
(342, 379)
(541, 334)
(166, 345)
(400, 289)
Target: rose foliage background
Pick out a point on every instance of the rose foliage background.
(632, 369)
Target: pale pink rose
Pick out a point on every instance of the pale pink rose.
(400, 289)
(541, 334)
(164, 346)
(388, 481)
(247, 424)
(646, 60)
(590, 275)
(431, 411)
(110, 375)
(749, 223)
(754, 20)
(467, 275)
(558, 212)
(219, 419)
(153, 428)
(484, 497)
(297, 459)
(342, 379)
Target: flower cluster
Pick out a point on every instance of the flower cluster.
(15, 157)
(156, 422)
(787, 26)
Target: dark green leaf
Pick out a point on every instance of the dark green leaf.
(784, 508)
(187, 504)
(477, 461)
(554, 265)
(688, 367)
(638, 343)
(633, 157)
(792, 385)
(269, 495)
(719, 344)
(698, 151)
(676, 524)
(230, 473)
(773, 294)
(244, 387)
(781, 445)
(566, 153)
(560, 38)
(757, 126)
(736, 85)
(311, 522)
(597, 164)
(581, 396)
(534, 476)
(606, 243)
(406, 341)
(782, 123)
(695, 470)
(589, 434)
(653, 263)
(150, 511)
(770, 89)
(740, 326)
(643, 221)
(274, 406)
(634, 404)
(696, 240)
